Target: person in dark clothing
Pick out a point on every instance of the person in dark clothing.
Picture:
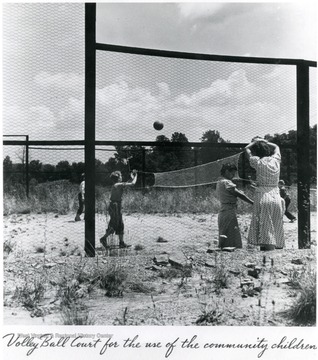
(285, 195)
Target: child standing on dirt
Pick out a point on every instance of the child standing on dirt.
(116, 224)
(229, 232)
(81, 199)
(285, 195)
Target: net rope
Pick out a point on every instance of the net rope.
(199, 175)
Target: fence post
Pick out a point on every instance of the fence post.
(244, 169)
(288, 166)
(27, 178)
(303, 163)
(90, 99)
(143, 167)
(195, 164)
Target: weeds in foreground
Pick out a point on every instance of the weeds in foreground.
(210, 317)
(76, 315)
(138, 247)
(170, 273)
(121, 321)
(7, 247)
(68, 292)
(303, 309)
(30, 294)
(140, 287)
(113, 280)
(40, 249)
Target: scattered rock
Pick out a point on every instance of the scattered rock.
(297, 262)
(258, 289)
(254, 273)
(250, 265)
(36, 266)
(161, 259)
(212, 250)
(235, 272)
(49, 265)
(282, 281)
(161, 240)
(228, 249)
(153, 267)
(209, 264)
(247, 282)
(179, 263)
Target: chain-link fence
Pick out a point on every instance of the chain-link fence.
(210, 106)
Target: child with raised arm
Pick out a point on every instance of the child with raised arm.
(229, 232)
(116, 224)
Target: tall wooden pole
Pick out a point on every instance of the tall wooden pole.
(27, 177)
(90, 100)
(303, 163)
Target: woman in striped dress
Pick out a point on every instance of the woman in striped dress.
(266, 228)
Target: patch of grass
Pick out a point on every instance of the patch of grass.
(7, 247)
(60, 197)
(76, 315)
(209, 317)
(113, 280)
(170, 273)
(221, 278)
(121, 321)
(138, 247)
(140, 287)
(303, 309)
(40, 249)
(67, 292)
(25, 211)
(31, 293)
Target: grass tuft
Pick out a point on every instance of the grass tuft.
(303, 309)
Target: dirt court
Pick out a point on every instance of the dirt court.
(49, 247)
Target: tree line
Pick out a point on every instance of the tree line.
(163, 156)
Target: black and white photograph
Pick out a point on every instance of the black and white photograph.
(159, 180)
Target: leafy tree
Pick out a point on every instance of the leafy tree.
(35, 167)
(213, 154)
(7, 164)
(63, 169)
(289, 156)
(48, 172)
(7, 169)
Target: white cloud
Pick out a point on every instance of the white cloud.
(194, 11)
(221, 92)
(127, 104)
(66, 81)
(42, 117)
(164, 89)
(233, 105)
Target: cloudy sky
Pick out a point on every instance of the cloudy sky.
(43, 69)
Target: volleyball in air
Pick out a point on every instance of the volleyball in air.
(158, 125)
